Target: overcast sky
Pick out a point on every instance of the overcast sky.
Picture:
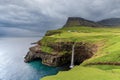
(37, 15)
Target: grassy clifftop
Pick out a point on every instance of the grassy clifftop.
(85, 73)
(106, 57)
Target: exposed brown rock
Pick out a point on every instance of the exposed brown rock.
(83, 51)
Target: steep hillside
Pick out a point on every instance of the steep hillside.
(77, 21)
(110, 22)
(86, 73)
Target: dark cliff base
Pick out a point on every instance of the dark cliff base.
(83, 51)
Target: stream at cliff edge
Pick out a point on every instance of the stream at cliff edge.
(12, 66)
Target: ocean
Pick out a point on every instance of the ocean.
(12, 66)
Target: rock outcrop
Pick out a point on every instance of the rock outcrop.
(83, 51)
(77, 21)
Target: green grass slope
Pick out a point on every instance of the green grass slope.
(108, 41)
(85, 73)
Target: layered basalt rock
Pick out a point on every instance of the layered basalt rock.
(83, 51)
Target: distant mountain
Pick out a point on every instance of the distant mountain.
(110, 22)
(77, 21)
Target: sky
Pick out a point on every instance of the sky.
(34, 17)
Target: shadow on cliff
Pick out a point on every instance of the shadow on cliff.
(83, 51)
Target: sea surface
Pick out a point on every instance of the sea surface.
(12, 66)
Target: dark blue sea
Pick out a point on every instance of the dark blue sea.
(12, 66)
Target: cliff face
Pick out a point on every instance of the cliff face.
(59, 52)
(77, 21)
(47, 59)
(83, 51)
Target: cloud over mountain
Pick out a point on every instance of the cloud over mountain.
(48, 14)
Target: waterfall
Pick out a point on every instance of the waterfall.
(72, 57)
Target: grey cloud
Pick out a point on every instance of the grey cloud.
(39, 15)
(33, 10)
(17, 32)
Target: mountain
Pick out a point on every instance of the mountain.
(78, 21)
(110, 22)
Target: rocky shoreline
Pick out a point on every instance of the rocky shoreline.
(83, 51)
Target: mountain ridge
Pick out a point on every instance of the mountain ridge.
(110, 22)
(79, 21)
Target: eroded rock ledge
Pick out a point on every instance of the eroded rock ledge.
(83, 51)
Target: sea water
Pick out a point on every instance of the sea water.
(12, 66)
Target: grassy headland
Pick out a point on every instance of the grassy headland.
(104, 65)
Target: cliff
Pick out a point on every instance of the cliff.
(83, 51)
(55, 48)
(77, 21)
(55, 51)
